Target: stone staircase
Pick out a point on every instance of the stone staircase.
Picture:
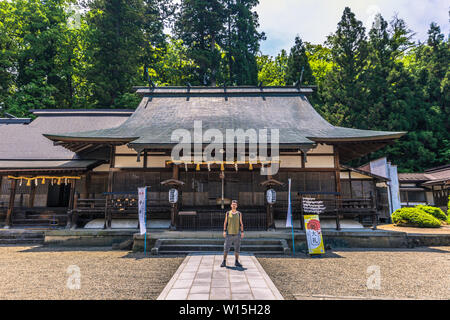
(24, 237)
(255, 245)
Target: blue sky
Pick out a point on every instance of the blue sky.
(313, 20)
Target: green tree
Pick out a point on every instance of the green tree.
(200, 25)
(342, 91)
(38, 34)
(298, 62)
(272, 72)
(115, 51)
(241, 42)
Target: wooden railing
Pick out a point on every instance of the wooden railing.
(213, 220)
(205, 218)
(117, 208)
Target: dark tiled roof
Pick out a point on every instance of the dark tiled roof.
(428, 178)
(11, 165)
(18, 142)
(412, 177)
(164, 110)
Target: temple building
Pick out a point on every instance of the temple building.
(73, 167)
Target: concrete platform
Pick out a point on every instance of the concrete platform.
(345, 238)
(200, 277)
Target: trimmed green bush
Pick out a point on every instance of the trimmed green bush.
(435, 212)
(415, 217)
(448, 210)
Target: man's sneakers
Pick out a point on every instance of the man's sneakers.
(237, 264)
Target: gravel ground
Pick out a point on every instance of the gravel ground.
(419, 273)
(43, 273)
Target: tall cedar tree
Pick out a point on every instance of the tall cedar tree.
(201, 26)
(342, 93)
(120, 33)
(242, 41)
(297, 62)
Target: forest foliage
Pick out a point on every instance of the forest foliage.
(89, 54)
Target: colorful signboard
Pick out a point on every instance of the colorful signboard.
(312, 208)
(314, 234)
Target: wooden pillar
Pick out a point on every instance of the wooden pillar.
(74, 213)
(338, 186)
(374, 206)
(32, 195)
(108, 213)
(86, 184)
(71, 204)
(12, 195)
(174, 206)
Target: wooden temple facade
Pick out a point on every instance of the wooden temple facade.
(101, 157)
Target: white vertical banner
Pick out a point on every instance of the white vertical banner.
(142, 207)
(289, 212)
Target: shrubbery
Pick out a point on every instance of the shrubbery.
(435, 212)
(448, 210)
(415, 217)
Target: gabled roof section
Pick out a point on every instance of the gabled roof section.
(26, 142)
(165, 109)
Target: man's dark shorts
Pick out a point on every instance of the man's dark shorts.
(232, 239)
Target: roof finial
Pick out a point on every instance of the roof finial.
(298, 83)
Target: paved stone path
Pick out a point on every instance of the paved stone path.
(200, 277)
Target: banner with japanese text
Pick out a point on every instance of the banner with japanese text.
(142, 207)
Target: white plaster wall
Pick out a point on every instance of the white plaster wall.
(320, 162)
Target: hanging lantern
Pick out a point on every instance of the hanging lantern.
(198, 167)
(222, 167)
(43, 180)
(36, 182)
(235, 166)
(59, 181)
(250, 166)
(28, 182)
(209, 166)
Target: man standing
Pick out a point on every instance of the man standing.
(231, 227)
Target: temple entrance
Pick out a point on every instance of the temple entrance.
(58, 195)
(207, 195)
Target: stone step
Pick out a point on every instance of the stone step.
(255, 245)
(219, 252)
(21, 236)
(22, 241)
(221, 241)
(214, 247)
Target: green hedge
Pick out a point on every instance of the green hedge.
(415, 217)
(448, 210)
(435, 212)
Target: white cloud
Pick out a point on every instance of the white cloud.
(282, 20)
